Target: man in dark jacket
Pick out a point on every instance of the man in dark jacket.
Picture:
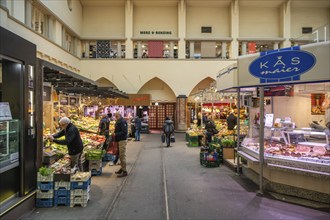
(72, 140)
(137, 124)
(210, 129)
(231, 121)
(104, 126)
(120, 136)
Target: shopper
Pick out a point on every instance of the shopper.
(138, 125)
(120, 136)
(210, 129)
(231, 121)
(72, 140)
(168, 129)
(104, 126)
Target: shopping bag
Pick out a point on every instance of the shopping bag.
(172, 138)
(163, 138)
(113, 148)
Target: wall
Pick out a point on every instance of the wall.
(298, 108)
(216, 17)
(155, 19)
(259, 22)
(308, 17)
(103, 22)
(73, 19)
(130, 75)
(158, 90)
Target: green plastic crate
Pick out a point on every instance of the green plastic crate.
(193, 144)
(94, 154)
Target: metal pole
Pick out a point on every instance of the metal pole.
(202, 110)
(238, 128)
(261, 139)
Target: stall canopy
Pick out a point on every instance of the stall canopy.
(227, 78)
(300, 64)
(69, 82)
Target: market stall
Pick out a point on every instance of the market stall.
(289, 153)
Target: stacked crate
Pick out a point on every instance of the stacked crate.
(95, 166)
(193, 141)
(45, 190)
(62, 188)
(80, 190)
(94, 158)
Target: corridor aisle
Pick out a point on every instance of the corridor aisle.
(169, 183)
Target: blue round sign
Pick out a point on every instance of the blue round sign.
(282, 64)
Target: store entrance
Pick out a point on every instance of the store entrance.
(157, 114)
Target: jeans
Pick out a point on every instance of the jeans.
(137, 134)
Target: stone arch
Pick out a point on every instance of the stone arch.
(203, 84)
(159, 90)
(104, 82)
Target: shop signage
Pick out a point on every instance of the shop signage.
(282, 65)
(156, 32)
(135, 99)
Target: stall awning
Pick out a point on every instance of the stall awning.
(227, 78)
(69, 82)
(304, 64)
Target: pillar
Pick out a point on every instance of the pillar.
(275, 46)
(223, 50)
(171, 49)
(129, 29)
(234, 29)
(119, 49)
(139, 49)
(244, 48)
(182, 29)
(28, 13)
(191, 49)
(286, 23)
(181, 113)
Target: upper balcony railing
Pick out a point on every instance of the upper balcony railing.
(320, 34)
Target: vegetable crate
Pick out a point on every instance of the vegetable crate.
(107, 157)
(44, 203)
(94, 154)
(62, 197)
(210, 158)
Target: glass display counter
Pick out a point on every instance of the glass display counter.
(9, 144)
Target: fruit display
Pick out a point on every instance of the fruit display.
(86, 124)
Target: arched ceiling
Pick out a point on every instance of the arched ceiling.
(158, 90)
(104, 82)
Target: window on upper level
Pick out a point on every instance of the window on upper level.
(38, 21)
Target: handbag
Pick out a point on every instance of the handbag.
(172, 139)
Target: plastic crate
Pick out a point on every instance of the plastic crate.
(81, 176)
(193, 144)
(45, 194)
(79, 200)
(95, 164)
(45, 185)
(80, 184)
(41, 178)
(61, 192)
(80, 192)
(62, 185)
(193, 139)
(62, 200)
(107, 157)
(96, 172)
(44, 203)
(208, 164)
(60, 177)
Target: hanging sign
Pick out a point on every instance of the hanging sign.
(282, 65)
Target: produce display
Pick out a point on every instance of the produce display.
(86, 124)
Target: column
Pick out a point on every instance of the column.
(28, 13)
(181, 113)
(244, 44)
(234, 29)
(139, 49)
(119, 49)
(191, 49)
(182, 29)
(171, 49)
(223, 50)
(129, 29)
(275, 46)
(286, 23)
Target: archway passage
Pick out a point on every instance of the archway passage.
(165, 98)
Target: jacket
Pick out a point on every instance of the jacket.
(231, 121)
(168, 127)
(137, 123)
(104, 125)
(121, 130)
(210, 126)
(72, 139)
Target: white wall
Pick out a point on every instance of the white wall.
(158, 90)
(308, 17)
(73, 19)
(155, 19)
(259, 22)
(130, 75)
(298, 108)
(216, 17)
(103, 22)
